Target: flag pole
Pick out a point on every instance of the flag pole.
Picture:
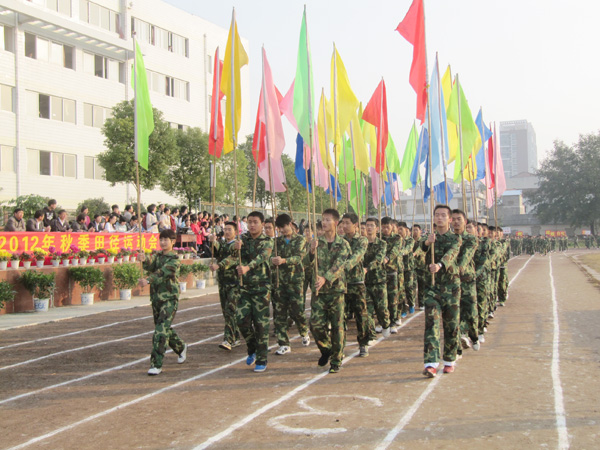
(355, 174)
(216, 105)
(335, 125)
(417, 180)
(346, 179)
(327, 151)
(496, 178)
(380, 156)
(460, 140)
(256, 166)
(437, 66)
(135, 145)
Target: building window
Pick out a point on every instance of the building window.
(7, 41)
(44, 50)
(102, 67)
(6, 98)
(99, 16)
(92, 169)
(95, 116)
(51, 107)
(7, 159)
(41, 162)
(159, 37)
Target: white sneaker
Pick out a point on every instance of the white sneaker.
(225, 345)
(183, 355)
(283, 350)
(372, 342)
(154, 371)
(306, 340)
(393, 330)
(378, 329)
(236, 344)
(481, 338)
(385, 332)
(465, 342)
(458, 356)
(397, 322)
(421, 308)
(485, 329)
(476, 346)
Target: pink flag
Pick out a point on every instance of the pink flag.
(287, 106)
(499, 169)
(321, 174)
(375, 186)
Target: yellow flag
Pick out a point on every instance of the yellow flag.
(344, 101)
(453, 143)
(360, 149)
(325, 127)
(235, 59)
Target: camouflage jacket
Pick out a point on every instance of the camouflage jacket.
(482, 257)
(505, 256)
(255, 254)
(394, 245)
(374, 257)
(494, 254)
(332, 258)
(407, 251)
(419, 258)
(163, 275)
(447, 247)
(293, 251)
(354, 266)
(223, 250)
(465, 262)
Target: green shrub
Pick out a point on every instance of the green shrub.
(39, 285)
(126, 276)
(29, 204)
(199, 269)
(7, 293)
(185, 270)
(94, 205)
(87, 277)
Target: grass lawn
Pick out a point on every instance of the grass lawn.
(592, 260)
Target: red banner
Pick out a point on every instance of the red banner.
(27, 242)
(519, 233)
(551, 233)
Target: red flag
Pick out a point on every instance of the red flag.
(376, 114)
(259, 149)
(491, 168)
(215, 135)
(412, 28)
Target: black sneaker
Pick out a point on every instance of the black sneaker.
(334, 368)
(324, 359)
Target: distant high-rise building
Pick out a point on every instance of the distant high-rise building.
(518, 147)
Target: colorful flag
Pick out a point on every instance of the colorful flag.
(286, 105)
(355, 136)
(343, 100)
(143, 110)
(412, 28)
(485, 134)
(235, 59)
(392, 157)
(325, 131)
(376, 114)
(215, 135)
(499, 166)
(422, 152)
(304, 86)
(299, 169)
(408, 159)
(490, 178)
(439, 134)
(451, 127)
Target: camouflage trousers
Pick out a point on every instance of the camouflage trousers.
(288, 302)
(308, 276)
(469, 314)
(253, 321)
(377, 306)
(163, 312)
(502, 285)
(493, 290)
(356, 303)
(442, 304)
(328, 309)
(393, 296)
(410, 287)
(483, 296)
(423, 282)
(229, 295)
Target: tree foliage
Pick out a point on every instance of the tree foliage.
(94, 205)
(118, 160)
(29, 203)
(569, 185)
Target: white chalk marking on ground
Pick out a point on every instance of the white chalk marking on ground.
(99, 327)
(96, 374)
(223, 434)
(275, 422)
(394, 432)
(98, 344)
(559, 406)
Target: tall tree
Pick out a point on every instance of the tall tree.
(118, 160)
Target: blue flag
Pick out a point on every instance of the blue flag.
(485, 134)
(422, 151)
(299, 167)
(338, 190)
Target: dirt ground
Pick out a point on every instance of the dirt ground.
(89, 390)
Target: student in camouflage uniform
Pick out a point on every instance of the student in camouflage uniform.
(395, 271)
(375, 281)
(422, 277)
(253, 307)
(327, 302)
(502, 275)
(494, 259)
(406, 290)
(482, 277)
(466, 270)
(291, 249)
(163, 274)
(307, 264)
(442, 299)
(229, 284)
(356, 301)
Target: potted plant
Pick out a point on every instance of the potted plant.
(184, 271)
(179, 251)
(125, 278)
(125, 254)
(112, 253)
(199, 270)
(101, 255)
(88, 278)
(74, 253)
(55, 256)
(40, 255)
(4, 258)
(26, 258)
(41, 287)
(14, 261)
(83, 257)
(7, 293)
(133, 256)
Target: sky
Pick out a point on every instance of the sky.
(517, 59)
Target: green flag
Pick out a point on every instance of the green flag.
(393, 163)
(304, 86)
(143, 111)
(408, 160)
(361, 191)
(346, 167)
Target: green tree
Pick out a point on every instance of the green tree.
(118, 160)
(94, 205)
(225, 192)
(569, 186)
(29, 204)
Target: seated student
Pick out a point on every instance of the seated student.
(49, 213)
(60, 223)
(133, 226)
(16, 221)
(121, 225)
(109, 227)
(79, 224)
(85, 211)
(37, 222)
(96, 225)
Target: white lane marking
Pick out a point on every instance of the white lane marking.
(97, 374)
(275, 422)
(223, 434)
(559, 406)
(99, 327)
(98, 344)
(405, 419)
(133, 402)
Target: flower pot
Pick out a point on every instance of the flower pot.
(126, 258)
(133, 259)
(200, 284)
(75, 261)
(83, 261)
(55, 262)
(87, 298)
(91, 261)
(119, 260)
(111, 259)
(125, 294)
(182, 286)
(3, 265)
(101, 260)
(40, 263)
(186, 256)
(14, 265)
(65, 262)
(180, 256)
(41, 304)
(26, 264)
